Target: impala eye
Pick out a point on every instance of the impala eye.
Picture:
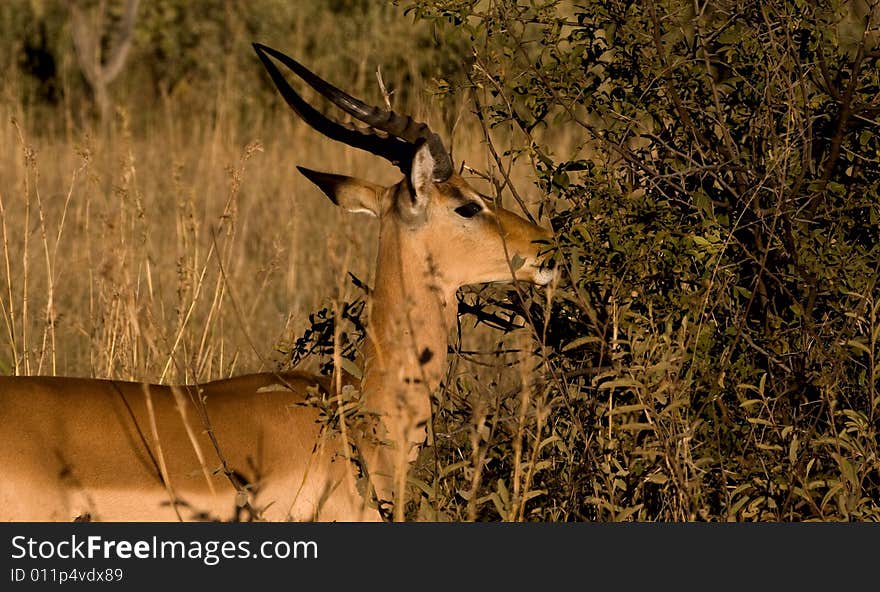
(469, 210)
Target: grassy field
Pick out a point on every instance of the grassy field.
(165, 255)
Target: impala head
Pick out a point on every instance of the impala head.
(434, 213)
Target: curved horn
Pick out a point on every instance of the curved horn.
(400, 153)
(404, 133)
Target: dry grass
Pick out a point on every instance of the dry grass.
(165, 256)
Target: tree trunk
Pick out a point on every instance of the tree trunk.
(87, 35)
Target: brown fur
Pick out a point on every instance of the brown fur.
(70, 447)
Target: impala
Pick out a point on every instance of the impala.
(75, 448)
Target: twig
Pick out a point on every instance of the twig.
(8, 311)
(181, 409)
(163, 468)
(385, 94)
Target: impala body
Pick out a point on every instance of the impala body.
(250, 447)
(84, 449)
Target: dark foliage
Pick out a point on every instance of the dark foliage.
(712, 351)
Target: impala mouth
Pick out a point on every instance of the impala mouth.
(545, 274)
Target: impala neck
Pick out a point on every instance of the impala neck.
(404, 358)
(405, 353)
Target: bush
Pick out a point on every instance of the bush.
(712, 351)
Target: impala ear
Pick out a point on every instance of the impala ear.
(422, 178)
(351, 194)
(422, 175)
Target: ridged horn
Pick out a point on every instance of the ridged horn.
(404, 134)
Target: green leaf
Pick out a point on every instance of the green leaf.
(516, 262)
